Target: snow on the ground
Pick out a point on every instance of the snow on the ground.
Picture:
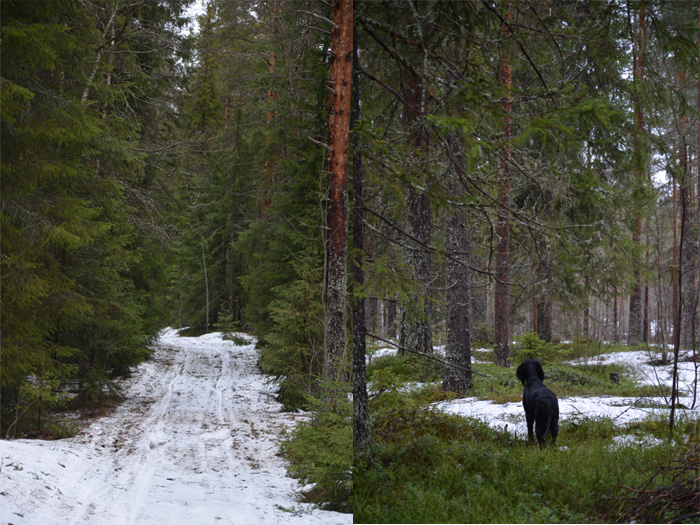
(510, 416)
(621, 410)
(439, 350)
(196, 441)
(639, 363)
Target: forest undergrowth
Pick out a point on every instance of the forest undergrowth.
(431, 467)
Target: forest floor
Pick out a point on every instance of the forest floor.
(622, 410)
(195, 441)
(442, 458)
(641, 367)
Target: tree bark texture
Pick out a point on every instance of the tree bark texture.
(361, 429)
(636, 319)
(415, 329)
(697, 161)
(501, 298)
(687, 249)
(340, 83)
(457, 283)
(477, 314)
(676, 277)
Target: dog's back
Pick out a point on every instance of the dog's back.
(540, 404)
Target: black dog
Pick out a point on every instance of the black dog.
(540, 403)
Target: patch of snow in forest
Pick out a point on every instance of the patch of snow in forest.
(196, 441)
(629, 440)
(511, 417)
(639, 362)
(439, 351)
(621, 410)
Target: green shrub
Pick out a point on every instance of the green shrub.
(320, 451)
(529, 346)
(408, 368)
(429, 467)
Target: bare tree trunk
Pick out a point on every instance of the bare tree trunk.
(634, 334)
(415, 329)
(502, 300)
(676, 282)
(645, 326)
(587, 308)
(616, 322)
(687, 248)
(677, 331)
(335, 333)
(457, 294)
(687, 276)
(661, 311)
(361, 429)
(478, 293)
(98, 56)
(390, 327)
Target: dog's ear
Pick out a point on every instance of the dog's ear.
(540, 371)
(519, 373)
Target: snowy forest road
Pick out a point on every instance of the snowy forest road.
(196, 441)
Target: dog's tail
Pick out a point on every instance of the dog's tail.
(549, 425)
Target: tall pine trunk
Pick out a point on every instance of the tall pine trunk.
(687, 248)
(676, 277)
(636, 318)
(415, 329)
(340, 84)
(361, 429)
(501, 298)
(457, 276)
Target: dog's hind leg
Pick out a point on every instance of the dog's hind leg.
(530, 418)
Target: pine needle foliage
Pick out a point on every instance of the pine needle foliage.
(320, 451)
(83, 251)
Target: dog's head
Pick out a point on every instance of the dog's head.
(530, 368)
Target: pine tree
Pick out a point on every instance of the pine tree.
(340, 87)
(502, 303)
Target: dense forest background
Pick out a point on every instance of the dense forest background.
(525, 165)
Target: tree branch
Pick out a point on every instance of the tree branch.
(429, 356)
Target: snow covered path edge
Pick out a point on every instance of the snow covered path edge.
(196, 441)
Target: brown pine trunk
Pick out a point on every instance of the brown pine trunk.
(340, 82)
(501, 298)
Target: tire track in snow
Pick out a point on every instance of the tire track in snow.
(195, 442)
(138, 431)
